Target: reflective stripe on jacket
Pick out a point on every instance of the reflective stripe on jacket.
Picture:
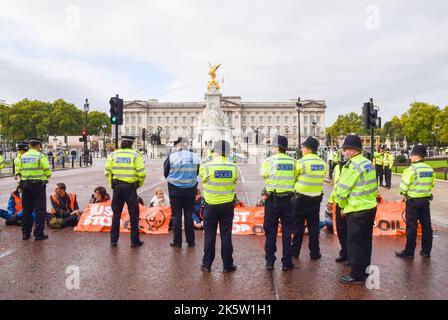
(279, 172)
(417, 181)
(34, 165)
(125, 165)
(219, 178)
(357, 187)
(183, 169)
(311, 171)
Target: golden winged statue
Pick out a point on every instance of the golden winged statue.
(213, 84)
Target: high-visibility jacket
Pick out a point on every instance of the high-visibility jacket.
(279, 173)
(219, 178)
(183, 169)
(337, 173)
(16, 162)
(2, 163)
(388, 160)
(17, 202)
(34, 165)
(335, 157)
(357, 187)
(125, 165)
(417, 181)
(71, 198)
(379, 158)
(311, 171)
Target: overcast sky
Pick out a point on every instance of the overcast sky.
(343, 51)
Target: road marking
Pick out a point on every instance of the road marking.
(7, 253)
(151, 186)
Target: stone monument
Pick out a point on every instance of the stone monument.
(213, 124)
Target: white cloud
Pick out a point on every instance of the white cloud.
(269, 50)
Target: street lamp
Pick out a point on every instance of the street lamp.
(437, 138)
(86, 109)
(298, 109)
(104, 127)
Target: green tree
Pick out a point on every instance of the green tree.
(393, 129)
(66, 119)
(442, 121)
(25, 119)
(96, 121)
(346, 124)
(418, 122)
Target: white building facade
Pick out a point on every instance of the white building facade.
(177, 119)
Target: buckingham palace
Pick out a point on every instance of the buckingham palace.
(255, 121)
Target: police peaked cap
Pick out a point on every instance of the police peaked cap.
(352, 141)
(311, 143)
(280, 141)
(22, 145)
(35, 140)
(128, 138)
(222, 147)
(419, 150)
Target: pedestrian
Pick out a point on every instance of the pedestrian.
(356, 195)
(126, 173)
(379, 163)
(35, 171)
(181, 169)
(279, 173)
(22, 147)
(219, 178)
(311, 171)
(416, 186)
(341, 221)
(335, 159)
(388, 163)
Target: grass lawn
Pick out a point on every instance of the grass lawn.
(433, 163)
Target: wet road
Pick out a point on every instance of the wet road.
(31, 270)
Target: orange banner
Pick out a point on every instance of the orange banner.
(390, 219)
(98, 218)
(248, 220)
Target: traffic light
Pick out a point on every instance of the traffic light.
(116, 110)
(370, 116)
(144, 134)
(84, 136)
(298, 105)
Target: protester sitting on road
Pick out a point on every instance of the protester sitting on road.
(262, 201)
(65, 211)
(328, 222)
(99, 195)
(160, 199)
(13, 213)
(198, 207)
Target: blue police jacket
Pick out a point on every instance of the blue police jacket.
(181, 170)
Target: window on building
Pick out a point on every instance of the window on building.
(252, 119)
(133, 120)
(127, 130)
(184, 119)
(139, 119)
(318, 119)
(305, 131)
(159, 120)
(167, 119)
(127, 119)
(305, 119)
(286, 119)
(277, 118)
(294, 130)
(175, 120)
(149, 120)
(167, 131)
(269, 119)
(133, 130)
(260, 119)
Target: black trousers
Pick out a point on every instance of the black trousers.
(185, 205)
(388, 176)
(34, 198)
(70, 221)
(417, 210)
(275, 210)
(214, 215)
(125, 193)
(341, 228)
(379, 174)
(306, 208)
(331, 166)
(359, 241)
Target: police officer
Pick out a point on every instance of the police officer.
(416, 186)
(356, 194)
(341, 221)
(35, 171)
(379, 163)
(311, 171)
(22, 147)
(126, 172)
(181, 169)
(387, 165)
(219, 178)
(279, 173)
